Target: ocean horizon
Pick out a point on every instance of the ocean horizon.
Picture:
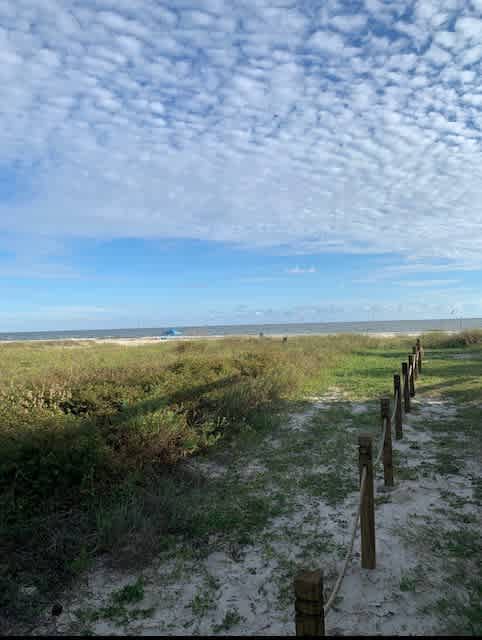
(292, 328)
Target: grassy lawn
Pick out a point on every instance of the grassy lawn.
(95, 439)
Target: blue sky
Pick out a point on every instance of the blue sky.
(209, 162)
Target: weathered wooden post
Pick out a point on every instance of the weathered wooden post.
(310, 616)
(406, 388)
(387, 455)
(397, 392)
(367, 511)
(411, 376)
(415, 362)
(419, 351)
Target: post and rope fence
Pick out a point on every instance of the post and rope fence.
(310, 610)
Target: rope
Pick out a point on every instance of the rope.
(395, 402)
(379, 455)
(341, 575)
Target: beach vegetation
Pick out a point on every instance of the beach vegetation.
(97, 441)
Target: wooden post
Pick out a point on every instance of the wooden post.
(411, 376)
(387, 455)
(397, 392)
(406, 388)
(310, 616)
(419, 351)
(367, 512)
(415, 362)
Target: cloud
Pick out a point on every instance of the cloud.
(55, 313)
(301, 270)
(392, 269)
(350, 310)
(470, 28)
(253, 123)
(348, 23)
(427, 283)
(326, 41)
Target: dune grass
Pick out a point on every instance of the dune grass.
(92, 436)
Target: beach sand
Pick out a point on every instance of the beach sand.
(145, 340)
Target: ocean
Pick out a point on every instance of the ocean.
(301, 328)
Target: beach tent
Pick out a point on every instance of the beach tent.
(172, 332)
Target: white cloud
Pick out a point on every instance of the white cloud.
(472, 55)
(301, 270)
(427, 283)
(438, 55)
(234, 122)
(470, 28)
(348, 23)
(327, 41)
(445, 39)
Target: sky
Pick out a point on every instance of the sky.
(196, 162)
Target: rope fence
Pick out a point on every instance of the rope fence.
(310, 610)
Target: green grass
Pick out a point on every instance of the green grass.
(119, 609)
(408, 582)
(330, 485)
(457, 548)
(93, 436)
(231, 619)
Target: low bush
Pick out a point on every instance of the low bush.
(442, 340)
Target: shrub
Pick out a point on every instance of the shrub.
(56, 459)
(442, 340)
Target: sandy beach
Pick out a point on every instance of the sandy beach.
(132, 342)
(146, 340)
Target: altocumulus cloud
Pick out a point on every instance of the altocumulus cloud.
(312, 126)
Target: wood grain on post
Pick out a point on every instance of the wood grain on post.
(411, 376)
(310, 616)
(367, 511)
(397, 392)
(406, 388)
(415, 362)
(387, 455)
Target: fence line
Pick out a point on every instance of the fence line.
(310, 611)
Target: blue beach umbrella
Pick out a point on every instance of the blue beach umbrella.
(172, 332)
